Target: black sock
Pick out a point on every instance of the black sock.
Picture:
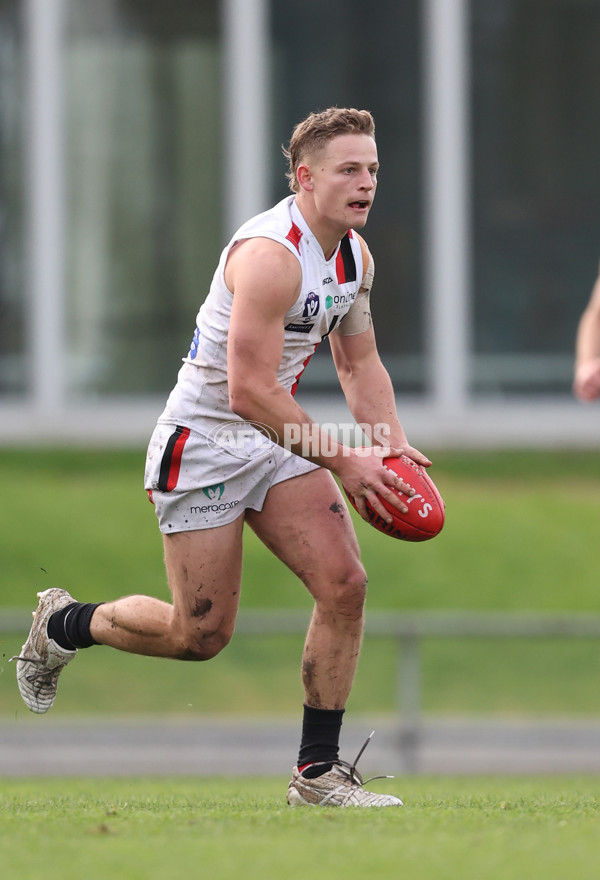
(70, 627)
(320, 740)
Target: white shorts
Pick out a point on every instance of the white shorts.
(197, 482)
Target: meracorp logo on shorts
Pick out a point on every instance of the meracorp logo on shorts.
(215, 493)
(242, 439)
(214, 508)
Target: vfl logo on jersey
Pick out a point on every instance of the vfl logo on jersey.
(214, 492)
(311, 306)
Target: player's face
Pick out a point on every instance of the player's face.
(343, 177)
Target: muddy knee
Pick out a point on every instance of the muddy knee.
(346, 593)
(203, 644)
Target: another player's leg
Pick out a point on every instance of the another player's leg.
(306, 523)
(204, 571)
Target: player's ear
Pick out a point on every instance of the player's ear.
(304, 175)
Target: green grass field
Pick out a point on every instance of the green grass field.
(521, 534)
(450, 829)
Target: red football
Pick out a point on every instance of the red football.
(426, 509)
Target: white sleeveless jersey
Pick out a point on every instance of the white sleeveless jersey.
(329, 287)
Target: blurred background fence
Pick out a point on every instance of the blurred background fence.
(135, 135)
(408, 740)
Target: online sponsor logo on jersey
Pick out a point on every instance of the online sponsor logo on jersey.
(242, 439)
(340, 299)
(311, 306)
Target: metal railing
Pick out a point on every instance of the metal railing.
(408, 630)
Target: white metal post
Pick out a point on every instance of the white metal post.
(45, 203)
(246, 102)
(446, 185)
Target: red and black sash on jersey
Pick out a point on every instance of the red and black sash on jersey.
(345, 268)
(345, 264)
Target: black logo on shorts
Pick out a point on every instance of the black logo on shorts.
(214, 508)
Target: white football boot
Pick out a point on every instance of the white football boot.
(342, 786)
(41, 660)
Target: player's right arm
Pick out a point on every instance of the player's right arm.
(586, 384)
(265, 279)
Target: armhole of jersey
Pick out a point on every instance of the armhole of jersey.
(276, 237)
(279, 239)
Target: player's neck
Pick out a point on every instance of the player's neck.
(327, 233)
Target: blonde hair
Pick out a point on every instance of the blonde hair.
(317, 129)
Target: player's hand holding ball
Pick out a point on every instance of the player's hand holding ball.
(406, 503)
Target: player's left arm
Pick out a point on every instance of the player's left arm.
(369, 392)
(364, 379)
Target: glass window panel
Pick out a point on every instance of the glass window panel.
(536, 188)
(13, 375)
(336, 53)
(144, 217)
